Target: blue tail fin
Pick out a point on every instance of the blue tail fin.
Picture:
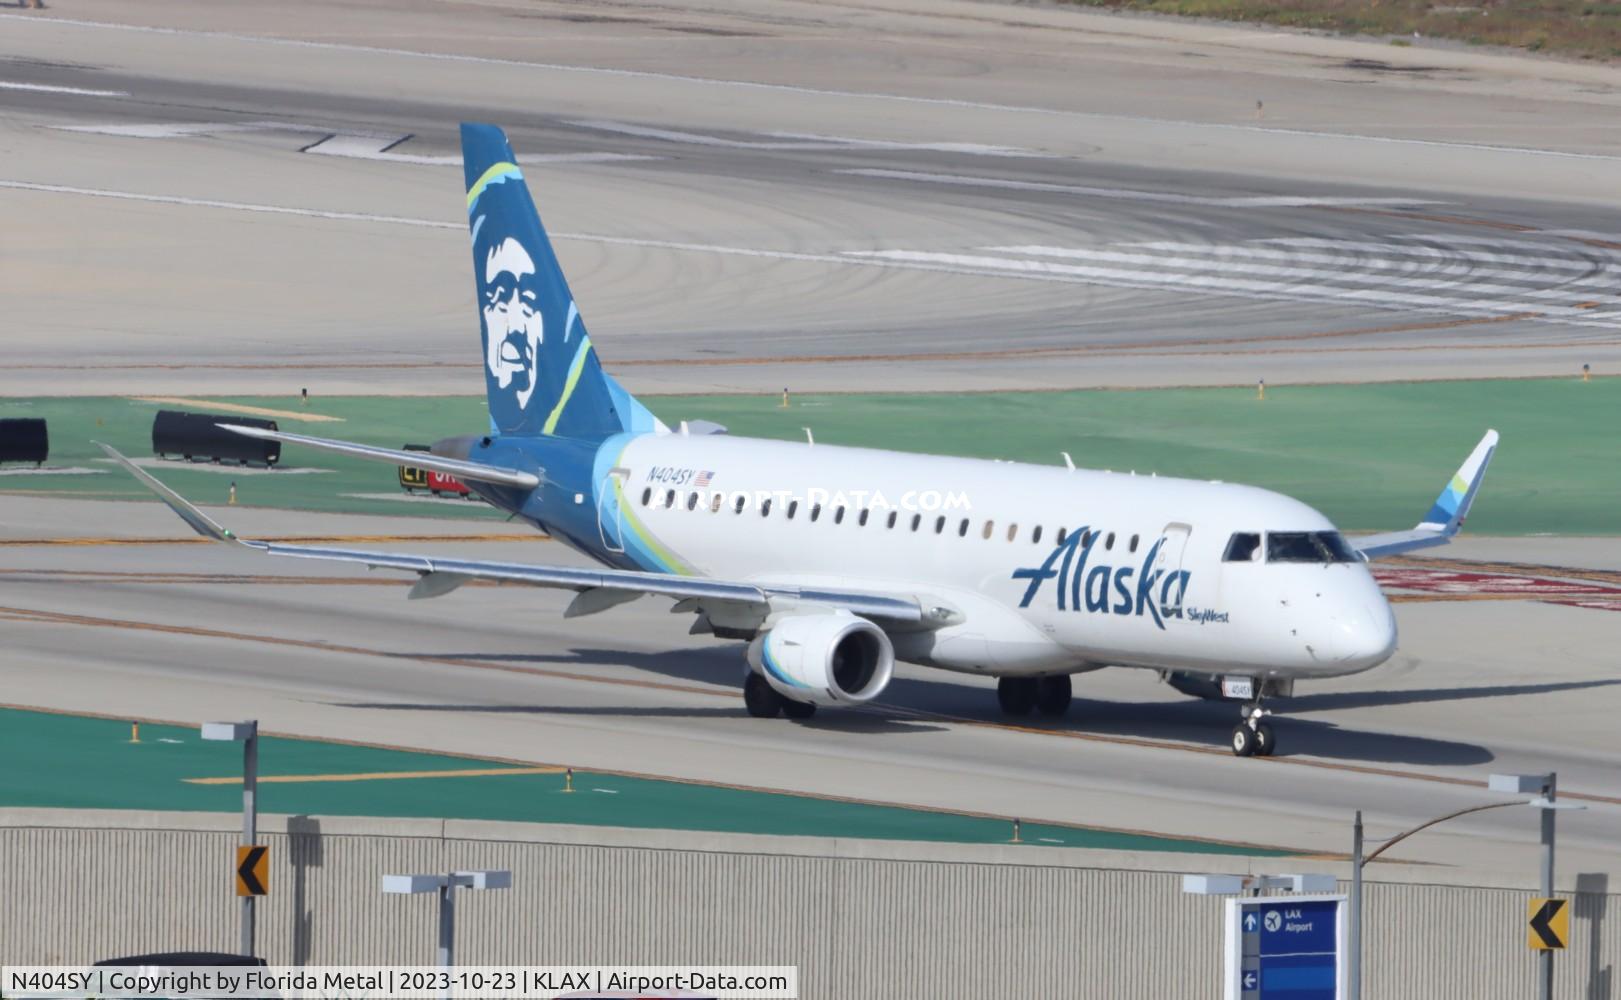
(541, 372)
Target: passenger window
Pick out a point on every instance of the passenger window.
(962, 529)
(892, 515)
(861, 519)
(647, 496)
(917, 519)
(737, 508)
(1035, 535)
(765, 509)
(989, 526)
(793, 508)
(714, 505)
(816, 511)
(939, 524)
(692, 501)
(1244, 546)
(838, 514)
(1086, 538)
(1012, 532)
(669, 498)
(1133, 547)
(1064, 533)
(1108, 543)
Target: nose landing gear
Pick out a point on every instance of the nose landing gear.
(1252, 737)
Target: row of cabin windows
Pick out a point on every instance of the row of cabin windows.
(890, 520)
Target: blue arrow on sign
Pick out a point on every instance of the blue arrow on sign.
(1249, 921)
(1249, 980)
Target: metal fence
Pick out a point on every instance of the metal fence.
(859, 918)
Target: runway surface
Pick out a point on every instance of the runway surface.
(194, 632)
(748, 196)
(234, 199)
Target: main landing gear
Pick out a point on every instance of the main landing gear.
(1021, 695)
(1253, 737)
(763, 701)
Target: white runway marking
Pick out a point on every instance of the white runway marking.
(812, 91)
(48, 89)
(801, 141)
(363, 147)
(1572, 284)
(1398, 253)
(1445, 276)
(168, 464)
(1126, 194)
(53, 470)
(357, 145)
(173, 130)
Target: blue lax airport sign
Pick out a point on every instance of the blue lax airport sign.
(1285, 948)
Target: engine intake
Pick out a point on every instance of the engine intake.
(824, 659)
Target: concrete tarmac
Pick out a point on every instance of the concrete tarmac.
(750, 196)
(193, 632)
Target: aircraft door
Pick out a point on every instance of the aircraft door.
(1173, 583)
(610, 519)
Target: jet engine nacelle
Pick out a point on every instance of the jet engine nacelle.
(824, 659)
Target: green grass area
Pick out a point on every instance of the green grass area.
(1569, 27)
(49, 760)
(1372, 457)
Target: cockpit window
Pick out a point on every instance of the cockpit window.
(1308, 547)
(1244, 546)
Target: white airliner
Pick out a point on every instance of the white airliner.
(835, 562)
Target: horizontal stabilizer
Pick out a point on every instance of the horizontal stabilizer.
(460, 468)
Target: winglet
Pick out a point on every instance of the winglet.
(1452, 506)
(200, 522)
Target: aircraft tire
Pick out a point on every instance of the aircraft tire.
(1265, 740)
(760, 698)
(1053, 695)
(797, 709)
(1016, 695)
(1244, 740)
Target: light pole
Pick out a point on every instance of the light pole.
(1544, 785)
(248, 734)
(446, 886)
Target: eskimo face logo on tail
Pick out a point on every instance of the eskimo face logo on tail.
(513, 326)
(1103, 589)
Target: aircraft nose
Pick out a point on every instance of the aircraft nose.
(1364, 636)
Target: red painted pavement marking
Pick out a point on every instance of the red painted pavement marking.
(1439, 581)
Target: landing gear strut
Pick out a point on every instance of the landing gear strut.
(1252, 737)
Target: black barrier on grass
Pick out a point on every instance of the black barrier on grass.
(196, 437)
(23, 439)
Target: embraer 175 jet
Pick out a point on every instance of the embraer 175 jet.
(835, 562)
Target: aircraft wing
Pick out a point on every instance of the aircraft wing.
(611, 586)
(1445, 516)
(460, 468)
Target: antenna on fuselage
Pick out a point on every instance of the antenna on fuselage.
(809, 439)
(1069, 463)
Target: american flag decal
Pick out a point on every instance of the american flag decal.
(702, 480)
